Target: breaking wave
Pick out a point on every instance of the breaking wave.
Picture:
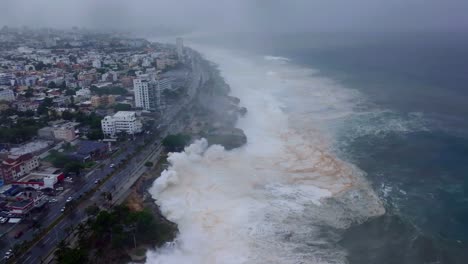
(285, 196)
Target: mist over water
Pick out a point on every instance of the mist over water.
(285, 197)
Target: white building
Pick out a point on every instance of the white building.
(144, 93)
(97, 64)
(122, 121)
(85, 93)
(7, 95)
(148, 92)
(180, 47)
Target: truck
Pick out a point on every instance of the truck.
(14, 220)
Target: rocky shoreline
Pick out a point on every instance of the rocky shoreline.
(213, 115)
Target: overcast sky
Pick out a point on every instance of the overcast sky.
(242, 15)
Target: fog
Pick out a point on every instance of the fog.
(240, 15)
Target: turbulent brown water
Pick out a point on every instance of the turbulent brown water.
(282, 198)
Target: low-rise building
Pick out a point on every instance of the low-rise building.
(104, 100)
(41, 179)
(122, 121)
(15, 167)
(85, 93)
(65, 131)
(7, 95)
(46, 133)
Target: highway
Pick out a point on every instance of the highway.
(118, 184)
(39, 251)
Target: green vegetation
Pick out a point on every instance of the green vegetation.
(108, 90)
(67, 255)
(29, 93)
(92, 210)
(176, 142)
(20, 130)
(64, 162)
(122, 107)
(44, 106)
(113, 232)
(95, 134)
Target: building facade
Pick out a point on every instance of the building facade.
(122, 121)
(180, 48)
(15, 167)
(148, 92)
(7, 95)
(65, 132)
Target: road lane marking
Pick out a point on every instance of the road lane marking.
(47, 240)
(62, 224)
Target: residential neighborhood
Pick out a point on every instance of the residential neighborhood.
(74, 104)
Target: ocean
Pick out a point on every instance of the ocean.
(357, 153)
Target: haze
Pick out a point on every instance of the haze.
(241, 15)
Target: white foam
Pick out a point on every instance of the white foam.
(267, 201)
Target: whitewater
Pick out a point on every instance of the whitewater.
(285, 195)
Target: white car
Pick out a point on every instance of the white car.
(112, 165)
(3, 220)
(63, 209)
(69, 199)
(52, 200)
(8, 254)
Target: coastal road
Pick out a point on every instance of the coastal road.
(49, 241)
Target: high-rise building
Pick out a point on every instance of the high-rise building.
(180, 48)
(144, 93)
(148, 92)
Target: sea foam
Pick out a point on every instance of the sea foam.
(281, 198)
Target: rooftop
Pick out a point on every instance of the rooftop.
(124, 114)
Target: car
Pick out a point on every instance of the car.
(53, 200)
(19, 234)
(69, 199)
(59, 188)
(63, 209)
(112, 165)
(97, 181)
(3, 220)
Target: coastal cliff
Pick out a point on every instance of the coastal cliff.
(215, 113)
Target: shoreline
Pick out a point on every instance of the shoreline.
(212, 114)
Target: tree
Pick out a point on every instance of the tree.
(95, 134)
(176, 142)
(44, 106)
(67, 115)
(29, 113)
(63, 85)
(131, 73)
(122, 107)
(72, 59)
(29, 93)
(40, 66)
(52, 85)
(59, 160)
(92, 210)
(70, 92)
(67, 255)
(73, 166)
